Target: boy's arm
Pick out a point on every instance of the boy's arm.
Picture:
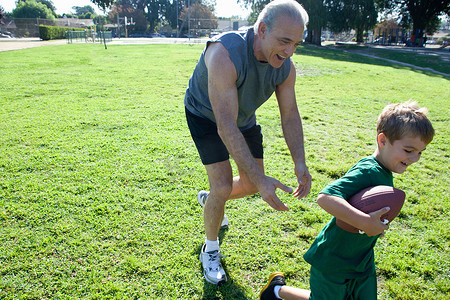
(341, 209)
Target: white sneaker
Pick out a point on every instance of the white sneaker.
(201, 198)
(212, 268)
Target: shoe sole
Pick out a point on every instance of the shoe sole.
(271, 277)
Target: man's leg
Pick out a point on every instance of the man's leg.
(242, 185)
(220, 178)
(222, 188)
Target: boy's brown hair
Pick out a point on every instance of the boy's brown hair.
(401, 119)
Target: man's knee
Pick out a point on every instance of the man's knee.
(220, 192)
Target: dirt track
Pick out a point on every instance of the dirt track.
(9, 44)
(17, 44)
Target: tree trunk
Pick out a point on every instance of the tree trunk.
(418, 37)
(314, 36)
(359, 35)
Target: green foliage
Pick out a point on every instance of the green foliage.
(201, 17)
(345, 15)
(99, 176)
(49, 4)
(53, 32)
(317, 20)
(83, 10)
(2, 13)
(32, 9)
(104, 4)
(422, 16)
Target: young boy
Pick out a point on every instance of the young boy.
(342, 263)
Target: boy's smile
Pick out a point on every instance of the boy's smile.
(401, 153)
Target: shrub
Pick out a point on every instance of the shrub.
(52, 32)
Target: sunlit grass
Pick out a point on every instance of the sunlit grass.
(99, 176)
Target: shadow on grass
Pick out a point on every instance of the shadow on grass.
(339, 54)
(230, 289)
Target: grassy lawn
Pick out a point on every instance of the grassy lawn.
(417, 56)
(98, 176)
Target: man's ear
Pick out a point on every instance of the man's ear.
(262, 29)
(381, 140)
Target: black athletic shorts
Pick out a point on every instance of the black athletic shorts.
(210, 145)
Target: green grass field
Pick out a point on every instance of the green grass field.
(98, 176)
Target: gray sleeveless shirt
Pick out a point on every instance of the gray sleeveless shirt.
(256, 81)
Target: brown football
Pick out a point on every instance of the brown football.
(374, 198)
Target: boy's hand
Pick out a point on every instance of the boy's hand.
(375, 226)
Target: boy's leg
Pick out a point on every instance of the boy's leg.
(292, 293)
(276, 288)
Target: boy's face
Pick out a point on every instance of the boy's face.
(397, 156)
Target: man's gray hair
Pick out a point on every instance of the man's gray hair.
(285, 8)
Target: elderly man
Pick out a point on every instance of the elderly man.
(234, 76)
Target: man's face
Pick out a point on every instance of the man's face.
(282, 41)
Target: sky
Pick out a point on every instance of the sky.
(224, 8)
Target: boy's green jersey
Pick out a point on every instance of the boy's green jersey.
(336, 251)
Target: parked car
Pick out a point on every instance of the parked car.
(155, 35)
(140, 34)
(6, 34)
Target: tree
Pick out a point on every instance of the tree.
(315, 9)
(83, 10)
(201, 17)
(317, 20)
(344, 15)
(257, 7)
(49, 4)
(2, 14)
(422, 15)
(126, 10)
(32, 9)
(157, 12)
(104, 4)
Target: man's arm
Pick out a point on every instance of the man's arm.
(293, 131)
(223, 95)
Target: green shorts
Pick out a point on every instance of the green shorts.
(325, 286)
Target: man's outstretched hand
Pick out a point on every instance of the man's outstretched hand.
(267, 190)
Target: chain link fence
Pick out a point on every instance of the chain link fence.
(21, 27)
